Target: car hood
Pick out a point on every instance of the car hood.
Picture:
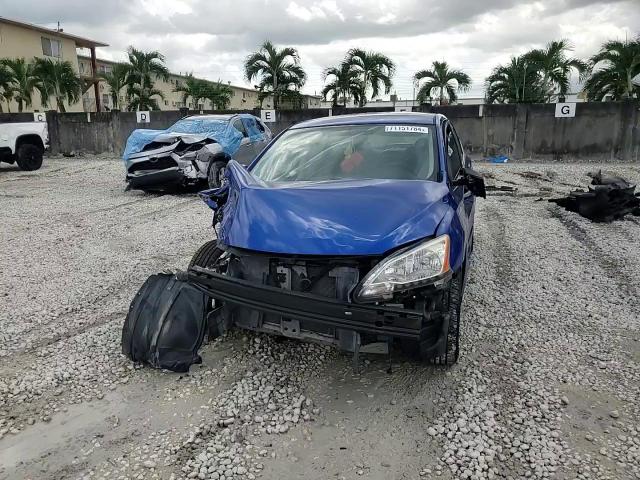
(223, 133)
(347, 217)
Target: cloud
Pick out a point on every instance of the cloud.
(212, 38)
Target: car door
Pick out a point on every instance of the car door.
(245, 153)
(469, 198)
(461, 195)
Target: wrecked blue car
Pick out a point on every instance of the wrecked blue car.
(194, 150)
(352, 230)
(355, 230)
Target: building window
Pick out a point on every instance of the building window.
(166, 102)
(81, 66)
(51, 48)
(105, 99)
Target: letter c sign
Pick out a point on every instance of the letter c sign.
(564, 110)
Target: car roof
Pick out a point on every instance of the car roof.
(214, 117)
(411, 118)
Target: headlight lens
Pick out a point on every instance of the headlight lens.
(406, 269)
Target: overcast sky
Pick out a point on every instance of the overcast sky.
(211, 38)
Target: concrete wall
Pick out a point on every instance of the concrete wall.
(107, 132)
(609, 130)
(599, 131)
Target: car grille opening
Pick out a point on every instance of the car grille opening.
(153, 164)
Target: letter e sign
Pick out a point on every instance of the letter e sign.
(143, 117)
(268, 116)
(564, 110)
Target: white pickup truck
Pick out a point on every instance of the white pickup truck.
(23, 143)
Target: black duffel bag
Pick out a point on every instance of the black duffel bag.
(166, 323)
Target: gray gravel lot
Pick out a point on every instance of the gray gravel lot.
(548, 385)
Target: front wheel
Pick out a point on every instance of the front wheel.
(423, 350)
(29, 157)
(215, 175)
(452, 342)
(207, 255)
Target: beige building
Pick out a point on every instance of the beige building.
(242, 98)
(24, 40)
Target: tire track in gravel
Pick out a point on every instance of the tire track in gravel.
(612, 265)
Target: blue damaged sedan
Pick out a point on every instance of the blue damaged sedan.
(354, 230)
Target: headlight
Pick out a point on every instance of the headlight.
(407, 269)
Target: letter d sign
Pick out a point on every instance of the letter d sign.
(564, 110)
(143, 117)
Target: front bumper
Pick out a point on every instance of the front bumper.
(314, 310)
(155, 178)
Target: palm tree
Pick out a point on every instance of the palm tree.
(555, 67)
(218, 94)
(116, 80)
(516, 82)
(59, 80)
(6, 89)
(278, 71)
(193, 88)
(614, 67)
(143, 67)
(141, 97)
(375, 69)
(345, 84)
(440, 79)
(23, 81)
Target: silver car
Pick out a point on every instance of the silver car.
(193, 150)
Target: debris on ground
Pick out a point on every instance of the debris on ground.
(609, 198)
(498, 159)
(532, 175)
(500, 188)
(166, 324)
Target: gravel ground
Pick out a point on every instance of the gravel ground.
(547, 385)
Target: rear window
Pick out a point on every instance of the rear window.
(401, 152)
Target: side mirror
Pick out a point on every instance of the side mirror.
(473, 181)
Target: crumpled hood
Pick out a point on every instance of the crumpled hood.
(347, 217)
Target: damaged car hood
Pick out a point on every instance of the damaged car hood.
(345, 217)
(195, 130)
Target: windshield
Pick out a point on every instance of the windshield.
(402, 152)
(197, 125)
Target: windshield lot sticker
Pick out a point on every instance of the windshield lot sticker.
(406, 129)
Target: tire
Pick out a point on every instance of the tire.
(207, 255)
(422, 350)
(215, 175)
(29, 157)
(452, 342)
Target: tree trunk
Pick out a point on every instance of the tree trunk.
(20, 105)
(441, 95)
(275, 88)
(60, 102)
